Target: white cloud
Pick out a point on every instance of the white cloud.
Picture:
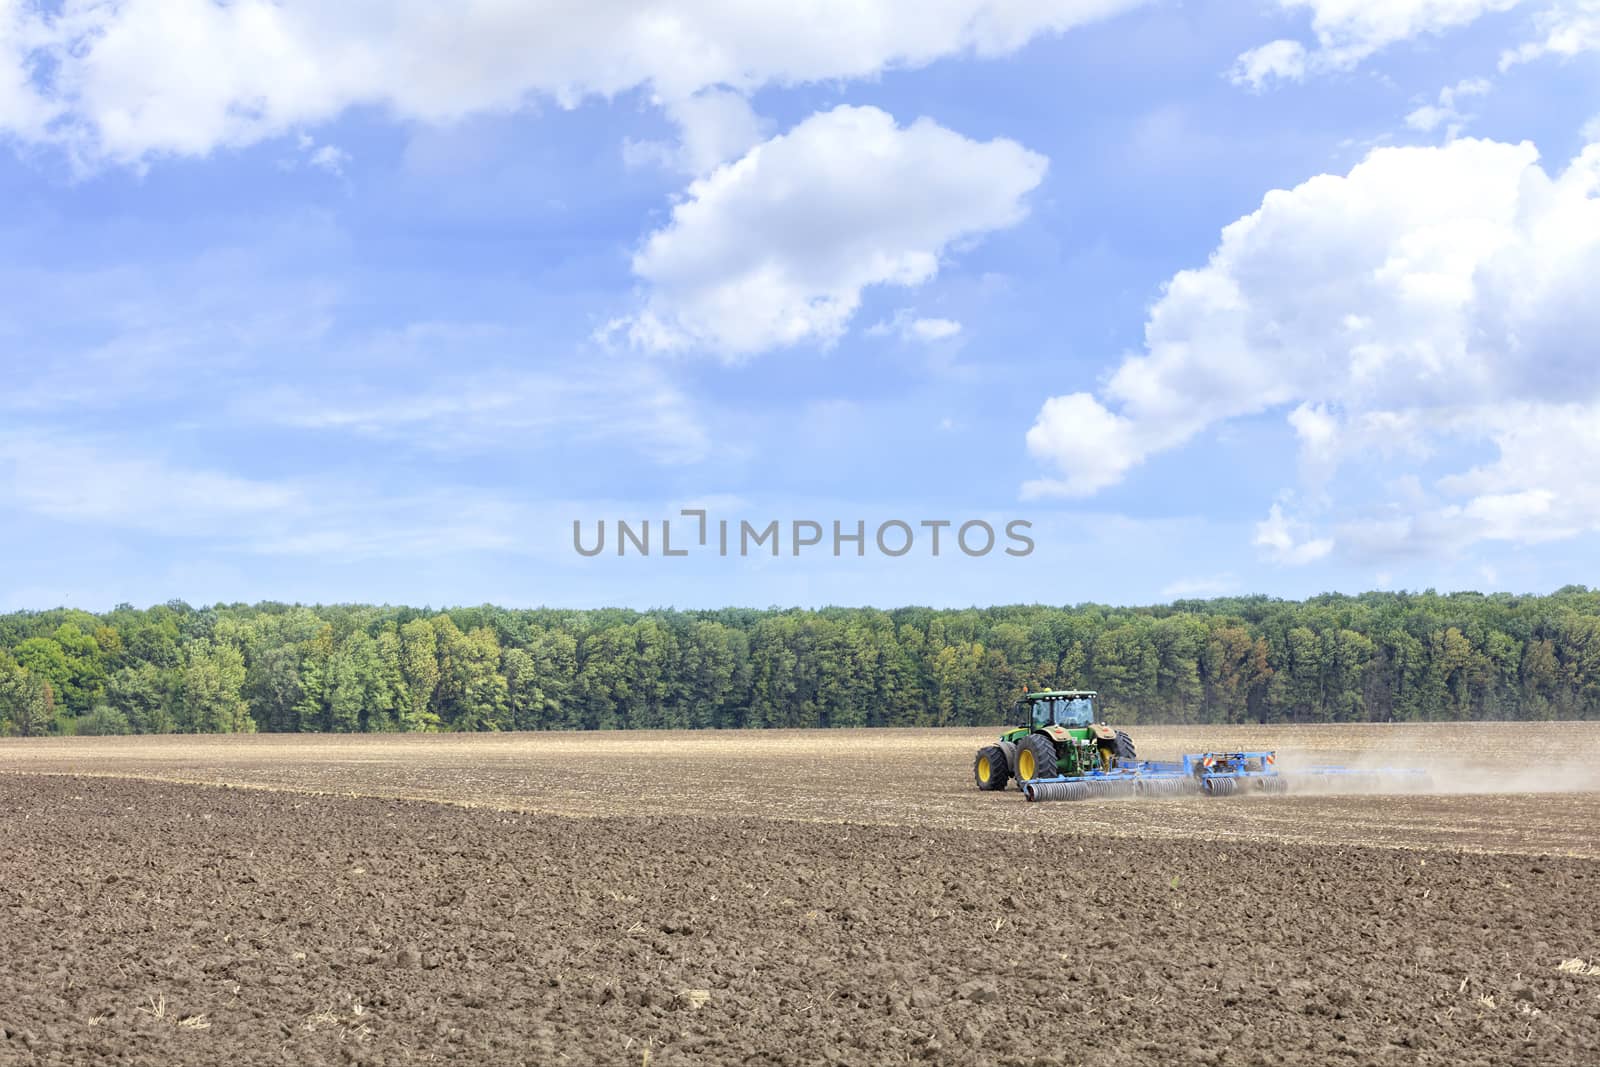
(1286, 540)
(1429, 117)
(1541, 486)
(330, 158)
(909, 327)
(776, 248)
(1568, 28)
(714, 126)
(607, 401)
(1432, 293)
(1348, 31)
(934, 329)
(1094, 446)
(111, 487)
(1273, 61)
(23, 111)
(74, 482)
(148, 77)
(1445, 113)
(1200, 588)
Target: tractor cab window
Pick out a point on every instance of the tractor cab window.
(1078, 711)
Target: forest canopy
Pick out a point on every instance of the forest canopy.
(349, 668)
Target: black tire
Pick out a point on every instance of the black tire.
(1123, 748)
(989, 769)
(1043, 757)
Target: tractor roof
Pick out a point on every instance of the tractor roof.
(1060, 693)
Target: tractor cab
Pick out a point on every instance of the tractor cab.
(1073, 709)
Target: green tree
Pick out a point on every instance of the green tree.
(272, 686)
(483, 703)
(211, 694)
(1297, 682)
(142, 694)
(1346, 656)
(1125, 669)
(27, 701)
(419, 667)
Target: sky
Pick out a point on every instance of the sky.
(375, 301)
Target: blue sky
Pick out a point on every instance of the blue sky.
(363, 303)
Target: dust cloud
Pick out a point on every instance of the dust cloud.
(1398, 772)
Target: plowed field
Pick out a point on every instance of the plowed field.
(787, 898)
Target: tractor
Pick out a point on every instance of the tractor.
(1056, 735)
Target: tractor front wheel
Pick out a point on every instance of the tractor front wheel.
(989, 769)
(1036, 758)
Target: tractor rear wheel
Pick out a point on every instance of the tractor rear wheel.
(1036, 758)
(989, 769)
(1124, 749)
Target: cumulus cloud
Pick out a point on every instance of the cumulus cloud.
(1093, 446)
(1432, 293)
(1348, 31)
(128, 80)
(776, 248)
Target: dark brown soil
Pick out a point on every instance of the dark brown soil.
(147, 923)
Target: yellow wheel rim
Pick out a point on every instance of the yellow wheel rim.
(983, 768)
(1025, 766)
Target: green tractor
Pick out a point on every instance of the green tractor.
(1057, 736)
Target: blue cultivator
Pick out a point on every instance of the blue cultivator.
(1215, 774)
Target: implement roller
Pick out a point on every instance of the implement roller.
(1212, 774)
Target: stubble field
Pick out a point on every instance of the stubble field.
(839, 897)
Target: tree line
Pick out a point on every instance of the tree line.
(350, 668)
